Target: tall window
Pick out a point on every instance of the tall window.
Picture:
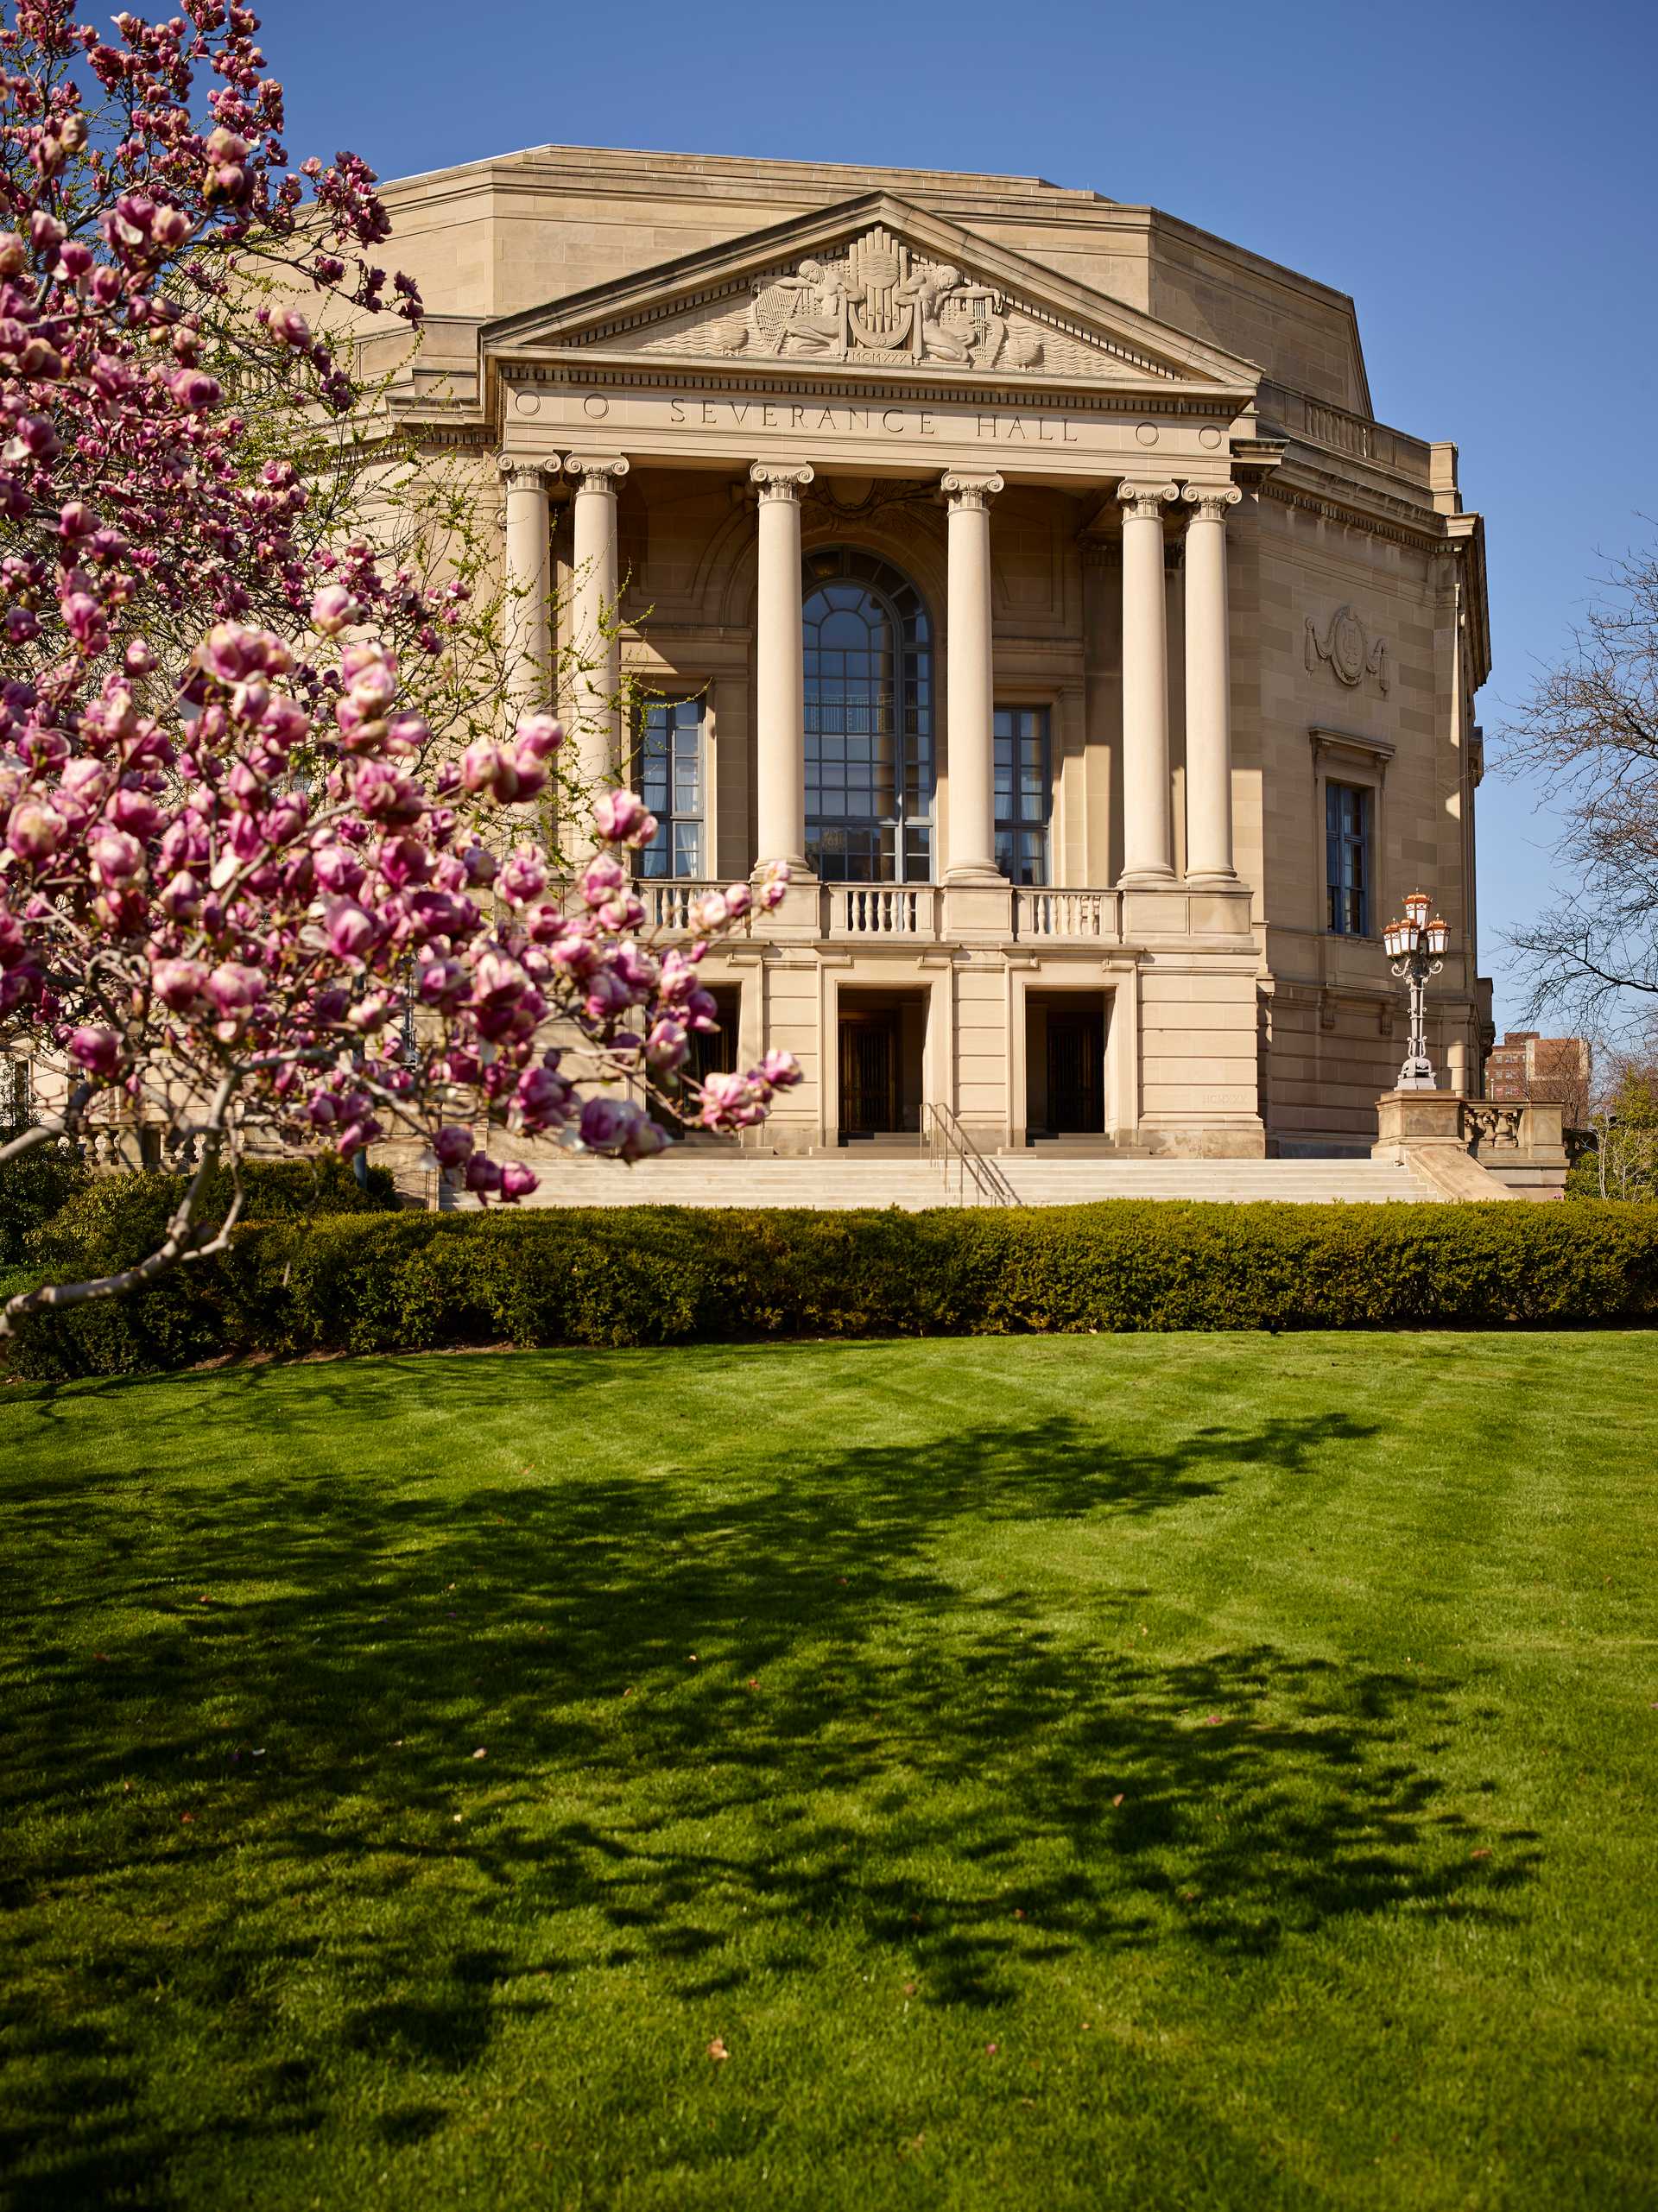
(1024, 792)
(671, 785)
(1347, 858)
(869, 722)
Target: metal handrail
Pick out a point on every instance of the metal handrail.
(954, 1148)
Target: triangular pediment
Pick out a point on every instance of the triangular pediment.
(877, 286)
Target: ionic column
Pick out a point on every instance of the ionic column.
(1148, 836)
(528, 636)
(780, 698)
(970, 665)
(597, 681)
(1208, 689)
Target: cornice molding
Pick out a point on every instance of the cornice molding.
(1419, 528)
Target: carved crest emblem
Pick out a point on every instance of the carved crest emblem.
(881, 303)
(1351, 651)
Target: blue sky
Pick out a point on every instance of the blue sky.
(1481, 177)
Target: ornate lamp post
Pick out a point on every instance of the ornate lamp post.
(1416, 948)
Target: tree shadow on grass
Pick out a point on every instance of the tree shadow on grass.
(724, 1724)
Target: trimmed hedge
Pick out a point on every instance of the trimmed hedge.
(32, 1187)
(107, 1222)
(657, 1275)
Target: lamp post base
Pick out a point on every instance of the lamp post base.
(1417, 1075)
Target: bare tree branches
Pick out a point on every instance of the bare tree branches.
(1589, 732)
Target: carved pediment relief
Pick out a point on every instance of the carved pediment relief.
(874, 284)
(882, 303)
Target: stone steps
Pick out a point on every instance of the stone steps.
(826, 1183)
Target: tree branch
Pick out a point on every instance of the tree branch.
(39, 1133)
(172, 1248)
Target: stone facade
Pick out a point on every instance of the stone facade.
(1159, 619)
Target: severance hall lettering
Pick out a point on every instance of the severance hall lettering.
(813, 418)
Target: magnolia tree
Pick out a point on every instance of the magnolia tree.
(244, 886)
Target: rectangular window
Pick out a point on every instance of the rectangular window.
(671, 785)
(1347, 858)
(1024, 792)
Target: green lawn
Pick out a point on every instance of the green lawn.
(1150, 1772)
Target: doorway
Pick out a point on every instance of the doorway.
(868, 1074)
(1076, 1073)
(1065, 1062)
(713, 1051)
(882, 1042)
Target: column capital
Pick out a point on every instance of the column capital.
(780, 479)
(596, 471)
(970, 488)
(519, 473)
(1210, 500)
(1144, 503)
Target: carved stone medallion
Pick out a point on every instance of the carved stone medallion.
(1348, 648)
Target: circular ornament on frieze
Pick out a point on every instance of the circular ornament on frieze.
(1347, 647)
(528, 402)
(1147, 433)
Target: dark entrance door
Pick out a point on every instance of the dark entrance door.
(868, 1074)
(713, 1051)
(1076, 1073)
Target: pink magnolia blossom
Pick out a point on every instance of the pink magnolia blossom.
(179, 983)
(668, 1045)
(115, 857)
(97, 1050)
(352, 931)
(333, 608)
(537, 735)
(605, 1122)
(524, 877)
(623, 818)
(452, 1145)
(35, 831)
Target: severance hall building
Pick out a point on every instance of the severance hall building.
(1030, 573)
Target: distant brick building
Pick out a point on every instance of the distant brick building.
(1526, 1067)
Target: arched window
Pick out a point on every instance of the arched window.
(869, 721)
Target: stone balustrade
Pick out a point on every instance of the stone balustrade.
(1474, 1148)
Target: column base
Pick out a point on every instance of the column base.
(978, 909)
(973, 875)
(798, 915)
(1227, 1135)
(1145, 879)
(1213, 879)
